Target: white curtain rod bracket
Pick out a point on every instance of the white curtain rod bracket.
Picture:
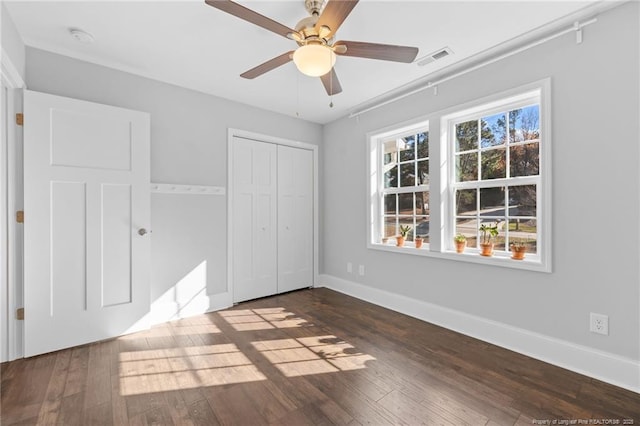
(578, 28)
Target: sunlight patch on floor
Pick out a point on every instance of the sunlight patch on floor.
(312, 355)
(165, 370)
(262, 319)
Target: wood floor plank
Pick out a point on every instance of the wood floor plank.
(55, 390)
(98, 381)
(313, 357)
(71, 410)
(200, 414)
(414, 414)
(78, 370)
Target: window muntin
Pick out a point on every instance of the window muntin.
(496, 175)
(404, 190)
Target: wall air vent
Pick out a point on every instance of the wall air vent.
(434, 56)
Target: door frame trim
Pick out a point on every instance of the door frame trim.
(258, 137)
(11, 194)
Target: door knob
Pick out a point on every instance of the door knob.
(142, 231)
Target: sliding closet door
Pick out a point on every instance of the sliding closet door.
(295, 218)
(254, 221)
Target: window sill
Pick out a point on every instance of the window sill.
(500, 259)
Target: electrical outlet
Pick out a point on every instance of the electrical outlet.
(349, 267)
(599, 323)
(361, 270)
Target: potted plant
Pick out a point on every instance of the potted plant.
(461, 242)
(518, 249)
(419, 239)
(489, 232)
(404, 231)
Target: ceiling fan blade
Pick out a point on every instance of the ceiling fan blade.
(249, 15)
(334, 14)
(385, 52)
(331, 82)
(267, 66)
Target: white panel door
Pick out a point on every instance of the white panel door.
(295, 218)
(86, 202)
(254, 209)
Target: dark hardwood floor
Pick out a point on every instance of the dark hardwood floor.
(304, 358)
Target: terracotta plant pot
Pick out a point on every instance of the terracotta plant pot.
(460, 245)
(486, 249)
(517, 253)
(418, 242)
(399, 241)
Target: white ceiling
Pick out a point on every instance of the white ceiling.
(190, 44)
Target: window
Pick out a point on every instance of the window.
(404, 187)
(496, 157)
(490, 166)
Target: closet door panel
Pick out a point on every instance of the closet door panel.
(295, 218)
(254, 232)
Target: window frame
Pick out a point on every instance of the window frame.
(376, 184)
(400, 189)
(442, 174)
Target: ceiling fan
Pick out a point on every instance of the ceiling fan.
(316, 52)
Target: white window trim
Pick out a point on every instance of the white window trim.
(439, 194)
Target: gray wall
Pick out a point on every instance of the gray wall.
(12, 44)
(596, 194)
(188, 146)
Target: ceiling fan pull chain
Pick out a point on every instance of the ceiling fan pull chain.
(331, 87)
(298, 94)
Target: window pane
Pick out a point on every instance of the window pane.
(499, 242)
(525, 159)
(467, 136)
(468, 228)
(522, 200)
(423, 145)
(390, 204)
(494, 130)
(390, 152)
(467, 167)
(422, 227)
(407, 148)
(407, 221)
(388, 157)
(493, 163)
(466, 202)
(390, 226)
(391, 178)
(423, 172)
(405, 204)
(524, 124)
(407, 174)
(524, 230)
(422, 204)
(492, 202)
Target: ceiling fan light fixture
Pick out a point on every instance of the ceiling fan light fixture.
(314, 60)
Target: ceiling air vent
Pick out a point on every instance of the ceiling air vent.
(434, 56)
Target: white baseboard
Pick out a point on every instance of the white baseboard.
(169, 311)
(610, 368)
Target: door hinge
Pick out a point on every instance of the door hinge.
(20, 313)
(20, 216)
(19, 119)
